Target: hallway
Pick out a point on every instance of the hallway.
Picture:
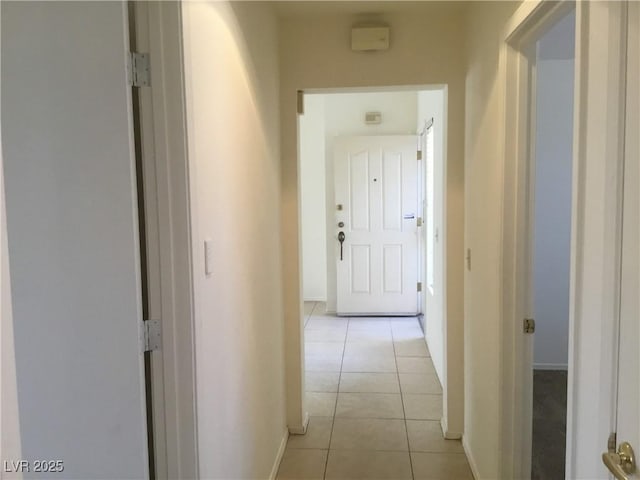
(374, 402)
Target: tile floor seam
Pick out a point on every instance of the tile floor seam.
(404, 413)
(310, 314)
(335, 406)
(374, 450)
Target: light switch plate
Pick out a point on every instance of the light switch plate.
(208, 256)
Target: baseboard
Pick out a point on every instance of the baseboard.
(283, 446)
(300, 430)
(550, 366)
(315, 299)
(470, 459)
(446, 433)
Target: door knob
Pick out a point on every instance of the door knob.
(622, 462)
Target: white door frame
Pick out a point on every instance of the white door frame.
(163, 126)
(596, 223)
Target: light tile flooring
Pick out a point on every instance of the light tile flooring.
(374, 402)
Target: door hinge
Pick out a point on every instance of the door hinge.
(300, 102)
(139, 69)
(419, 155)
(529, 325)
(151, 335)
(612, 442)
(419, 222)
(419, 286)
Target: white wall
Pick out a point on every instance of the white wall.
(483, 235)
(552, 223)
(10, 446)
(233, 136)
(9, 414)
(427, 49)
(344, 115)
(431, 105)
(313, 198)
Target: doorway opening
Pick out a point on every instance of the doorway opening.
(413, 118)
(551, 179)
(372, 164)
(539, 253)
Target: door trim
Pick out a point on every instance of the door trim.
(517, 57)
(595, 226)
(175, 425)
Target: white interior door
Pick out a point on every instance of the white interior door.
(377, 206)
(628, 404)
(73, 242)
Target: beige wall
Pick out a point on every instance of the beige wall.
(483, 234)
(233, 134)
(426, 48)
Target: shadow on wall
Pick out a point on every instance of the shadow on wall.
(233, 135)
(483, 229)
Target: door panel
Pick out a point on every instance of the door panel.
(391, 191)
(359, 188)
(392, 269)
(73, 240)
(376, 197)
(360, 269)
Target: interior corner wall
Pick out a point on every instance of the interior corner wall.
(552, 222)
(483, 235)
(344, 116)
(231, 77)
(427, 49)
(311, 130)
(431, 105)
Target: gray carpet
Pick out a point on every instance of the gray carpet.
(549, 424)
